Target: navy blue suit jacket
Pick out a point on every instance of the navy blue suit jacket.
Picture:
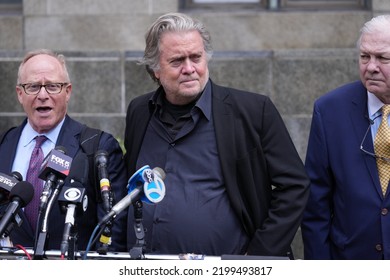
(346, 216)
(256, 155)
(69, 138)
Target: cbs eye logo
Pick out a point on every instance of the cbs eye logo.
(74, 194)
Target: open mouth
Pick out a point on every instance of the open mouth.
(44, 109)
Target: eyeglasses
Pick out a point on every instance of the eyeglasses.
(367, 152)
(34, 89)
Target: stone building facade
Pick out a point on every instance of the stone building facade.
(293, 56)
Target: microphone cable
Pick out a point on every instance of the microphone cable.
(92, 240)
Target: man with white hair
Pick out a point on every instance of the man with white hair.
(348, 159)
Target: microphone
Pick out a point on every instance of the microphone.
(55, 166)
(20, 195)
(101, 160)
(7, 183)
(73, 199)
(145, 184)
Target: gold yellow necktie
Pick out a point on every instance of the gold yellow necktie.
(382, 149)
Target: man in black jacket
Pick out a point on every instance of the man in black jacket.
(234, 181)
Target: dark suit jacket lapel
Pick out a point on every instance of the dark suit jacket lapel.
(224, 126)
(360, 120)
(224, 123)
(142, 120)
(69, 136)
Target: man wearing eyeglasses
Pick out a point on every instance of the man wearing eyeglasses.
(347, 215)
(44, 89)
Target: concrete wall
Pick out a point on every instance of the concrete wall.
(105, 82)
(293, 57)
(100, 25)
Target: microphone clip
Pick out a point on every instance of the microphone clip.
(138, 250)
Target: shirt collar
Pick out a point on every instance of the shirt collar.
(29, 133)
(204, 102)
(374, 105)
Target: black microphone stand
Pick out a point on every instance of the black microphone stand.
(69, 241)
(137, 252)
(43, 223)
(72, 249)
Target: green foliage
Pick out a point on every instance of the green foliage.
(121, 143)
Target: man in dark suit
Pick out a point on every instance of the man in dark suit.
(234, 181)
(347, 213)
(44, 89)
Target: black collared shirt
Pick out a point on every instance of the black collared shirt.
(195, 216)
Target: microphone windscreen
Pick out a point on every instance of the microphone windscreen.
(61, 149)
(160, 172)
(17, 175)
(24, 191)
(101, 157)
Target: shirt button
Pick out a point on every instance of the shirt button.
(384, 211)
(156, 221)
(378, 247)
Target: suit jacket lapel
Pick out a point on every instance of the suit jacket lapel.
(360, 120)
(68, 136)
(224, 124)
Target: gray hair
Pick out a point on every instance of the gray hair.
(171, 22)
(31, 54)
(377, 24)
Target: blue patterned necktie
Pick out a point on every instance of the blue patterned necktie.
(31, 210)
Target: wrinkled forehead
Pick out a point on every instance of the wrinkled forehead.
(42, 66)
